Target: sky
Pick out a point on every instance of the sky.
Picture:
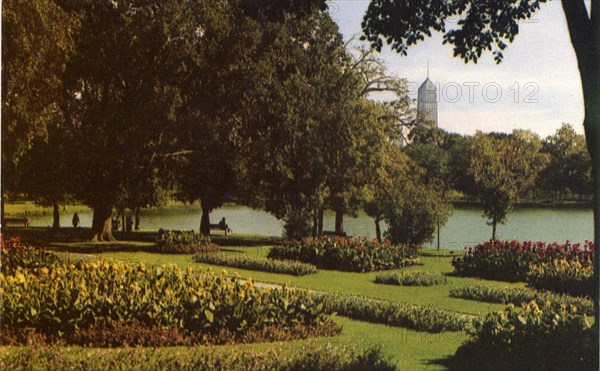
(537, 86)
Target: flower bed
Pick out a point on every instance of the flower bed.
(511, 260)
(518, 296)
(412, 316)
(311, 357)
(563, 276)
(347, 254)
(65, 299)
(414, 278)
(533, 338)
(258, 264)
(184, 242)
(14, 254)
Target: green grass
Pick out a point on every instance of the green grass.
(27, 208)
(409, 349)
(348, 282)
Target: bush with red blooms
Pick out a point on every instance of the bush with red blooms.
(512, 260)
(13, 254)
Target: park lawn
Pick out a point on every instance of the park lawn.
(407, 348)
(347, 282)
(26, 208)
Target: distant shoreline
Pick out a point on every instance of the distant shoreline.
(533, 204)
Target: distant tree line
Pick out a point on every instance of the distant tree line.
(499, 170)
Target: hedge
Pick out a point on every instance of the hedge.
(257, 264)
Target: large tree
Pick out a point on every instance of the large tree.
(503, 168)
(490, 25)
(302, 115)
(569, 169)
(37, 42)
(123, 83)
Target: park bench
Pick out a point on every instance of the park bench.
(16, 221)
(220, 227)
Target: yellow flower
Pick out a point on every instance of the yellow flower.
(44, 271)
(19, 277)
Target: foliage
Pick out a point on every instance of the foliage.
(511, 260)
(63, 298)
(410, 206)
(297, 224)
(37, 43)
(346, 254)
(518, 296)
(482, 27)
(311, 357)
(257, 264)
(392, 313)
(531, 338)
(156, 336)
(563, 276)
(14, 254)
(412, 278)
(184, 242)
(569, 170)
(503, 168)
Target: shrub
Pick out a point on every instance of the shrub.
(416, 317)
(563, 276)
(510, 260)
(297, 224)
(311, 357)
(156, 336)
(414, 278)
(257, 264)
(99, 294)
(532, 338)
(518, 296)
(14, 254)
(346, 254)
(184, 242)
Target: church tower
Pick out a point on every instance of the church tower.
(427, 102)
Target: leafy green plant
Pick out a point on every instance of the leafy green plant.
(517, 296)
(347, 254)
(14, 254)
(416, 317)
(532, 338)
(257, 264)
(184, 242)
(101, 294)
(563, 276)
(414, 278)
(311, 357)
(510, 260)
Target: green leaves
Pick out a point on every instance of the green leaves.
(258, 264)
(346, 254)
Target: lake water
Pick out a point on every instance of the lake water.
(466, 227)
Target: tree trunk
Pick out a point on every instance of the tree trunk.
(494, 230)
(438, 234)
(339, 221)
(205, 221)
(137, 218)
(378, 230)
(2, 209)
(102, 223)
(55, 215)
(584, 31)
(122, 218)
(315, 227)
(320, 226)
